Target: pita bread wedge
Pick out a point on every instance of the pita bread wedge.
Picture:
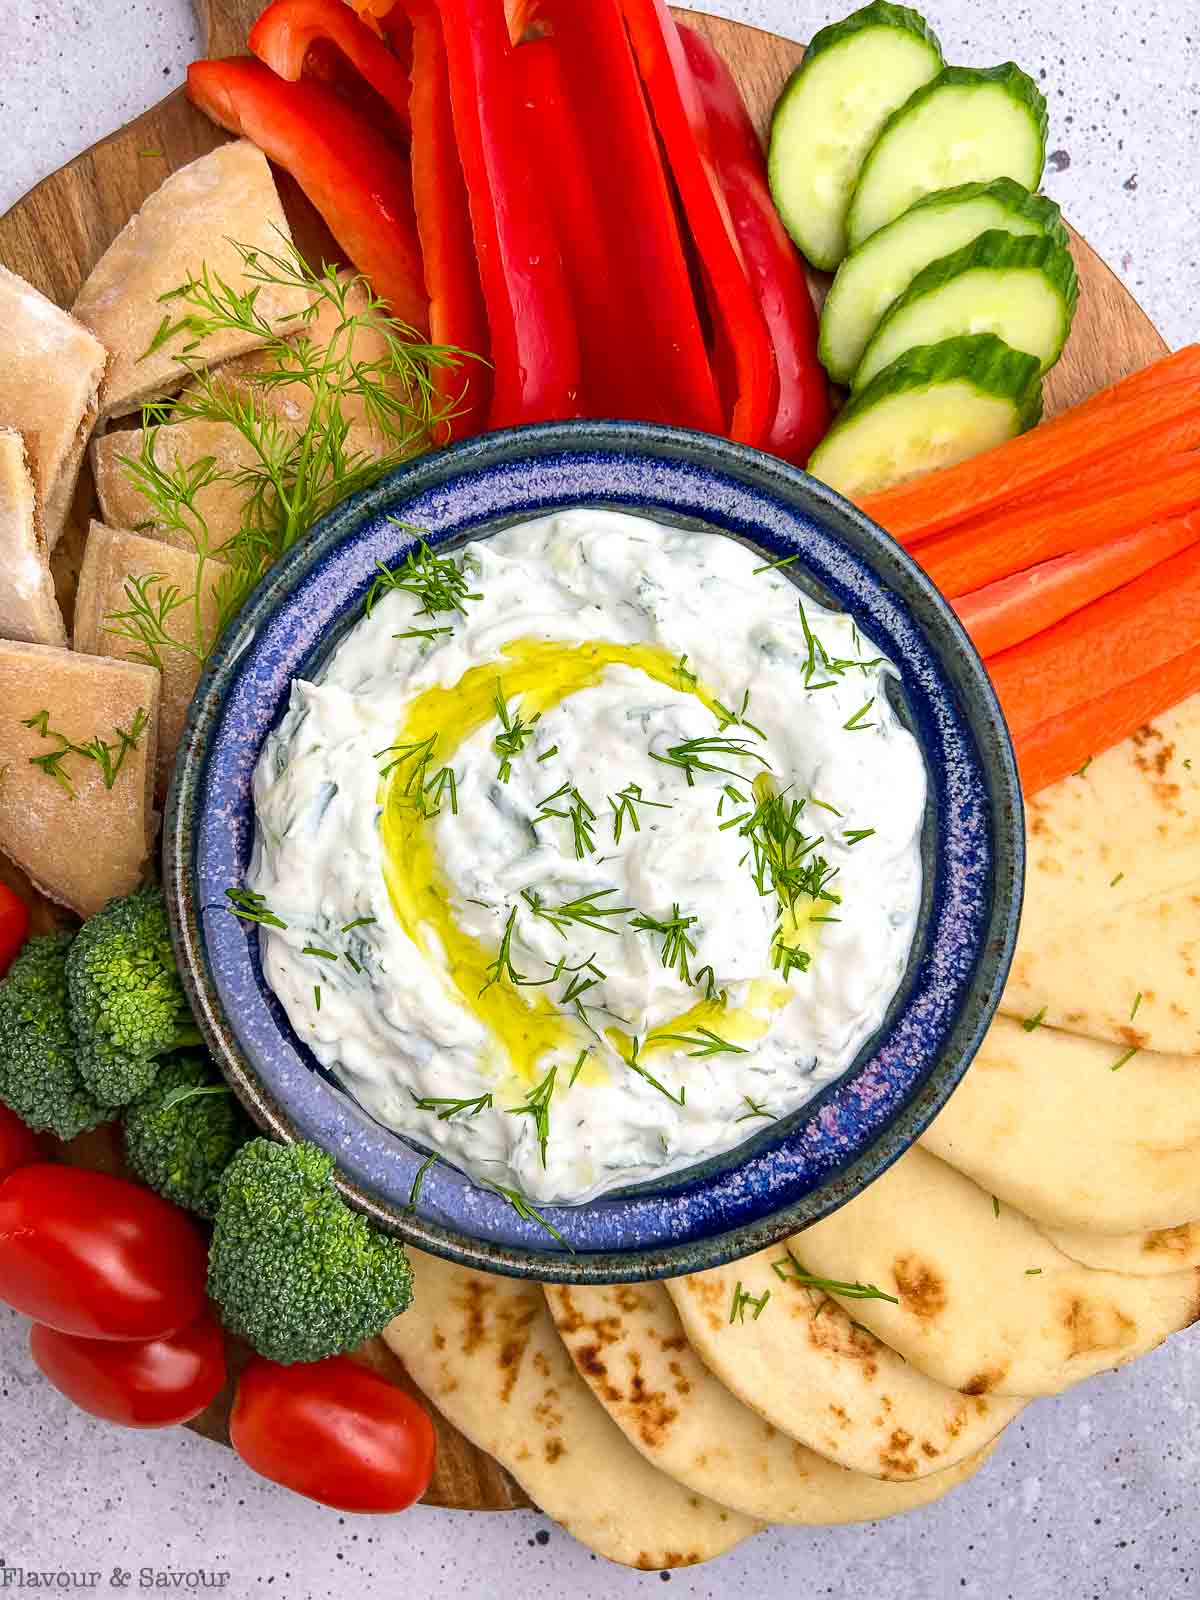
(1112, 898)
(485, 1351)
(83, 844)
(1043, 1122)
(114, 557)
(986, 1304)
(184, 226)
(806, 1368)
(28, 608)
(628, 1343)
(1145, 1255)
(50, 372)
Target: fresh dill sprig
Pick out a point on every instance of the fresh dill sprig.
(755, 1110)
(537, 1106)
(424, 789)
(287, 474)
(782, 856)
(634, 1064)
(418, 1183)
(514, 735)
(503, 967)
(677, 947)
(252, 907)
(527, 1213)
(695, 755)
(704, 1042)
(447, 1107)
(583, 911)
(742, 1298)
(578, 813)
(707, 978)
(790, 1270)
(788, 958)
(727, 718)
(436, 581)
(108, 754)
(624, 808)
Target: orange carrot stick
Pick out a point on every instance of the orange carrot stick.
(1130, 632)
(1137, 462)
(1017, 608)
(1064, 744)
(1015, 538)
(1148, 400)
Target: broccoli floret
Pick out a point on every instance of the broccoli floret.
(39, 1076)
(183, 1132)
(127, 1004)
(293, 1269)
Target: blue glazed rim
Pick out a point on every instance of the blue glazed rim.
(789, 1175)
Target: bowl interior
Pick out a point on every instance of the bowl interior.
(788, 1174)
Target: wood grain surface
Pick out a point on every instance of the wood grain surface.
(54, 236)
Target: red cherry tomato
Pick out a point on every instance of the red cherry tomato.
(18, 1146)
(96, 1256)
(14, 926)
(334, 1432)
(150, 1385)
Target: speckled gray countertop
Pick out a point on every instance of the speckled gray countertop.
(1092, 1495)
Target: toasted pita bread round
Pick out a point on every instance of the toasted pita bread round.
(1145, 1255)
(1111, 907)
(986, 1303)
(805, 1367)
(1014, 1125)
(485, 1351)
(628, 1343)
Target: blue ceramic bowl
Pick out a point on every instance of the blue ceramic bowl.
(800, 1168)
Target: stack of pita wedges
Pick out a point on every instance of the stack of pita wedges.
(62, 376)
(1046, 1228)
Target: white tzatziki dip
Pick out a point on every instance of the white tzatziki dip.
(596, 846)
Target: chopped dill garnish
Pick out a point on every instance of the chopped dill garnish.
(706, 1042)
(578, 1067)
(1079, 771)
(578, 813)
(853, 836)
(546, 754)
(727, 718)
(537, 1106)
(995, 1206)
(252, 907)
(677, 947)
(694, 755)
(527, 1214)
(624, 807)
(422, 633)
(742, 1298)
(1033, 1272)
(425, 791)
(359, 922)
(790, 1270)
(1136, 1003)
(1115, 881)
(771, 566)
(1032, 1024)
(788, 958)
(755, 1110)
(351, 962)
(436, 581)
(634, 1065)
(108, 754)
(502, 967)
(856, 724)
(514, 735)
(317, 995)
(316, 950)
(1134, 1050)
(584, 910)
(783, 859)
(824, 805)
(708, 978)
(446, 1106)
(683, 675)
(418, 1183)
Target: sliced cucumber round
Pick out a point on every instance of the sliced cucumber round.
(880, 270)
(1024, 290)
(933, 407)
(853, 76)
(970, 125)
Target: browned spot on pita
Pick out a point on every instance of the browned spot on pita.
(1037, 824)
(1076, 1016)
(570, 1318)
(629, 1298)
(676, 1342)
(984, 1382)
(475, 1293)
(683, 1386)
(540, 1363)
(922, 1291)
(841, 1414)
(1163, 759)
(555, 1449)
(1135, 1037)
(439, 1339)
(511, 1352)
(1166, 793)
(1096, 1327)
(929, 1450)
(1051, 866)
(587, 1359)
(896, 1458)
(547, 1411)
(1168, 1241)
(523, 1453)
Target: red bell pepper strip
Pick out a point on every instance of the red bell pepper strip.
(457, 315)
(776, 270)
(639, 326)
(739, 326)
(291, 33)
(535, 350)
(357, 179)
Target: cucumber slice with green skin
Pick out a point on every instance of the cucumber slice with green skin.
(881, 270)
(932, 408)
(970, 125)
(853, 76)
(1024, 290)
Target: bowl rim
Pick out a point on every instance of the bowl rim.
(762, 475)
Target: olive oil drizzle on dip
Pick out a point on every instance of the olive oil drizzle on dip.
(625, 840)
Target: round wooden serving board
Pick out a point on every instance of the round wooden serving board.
(55, 235)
